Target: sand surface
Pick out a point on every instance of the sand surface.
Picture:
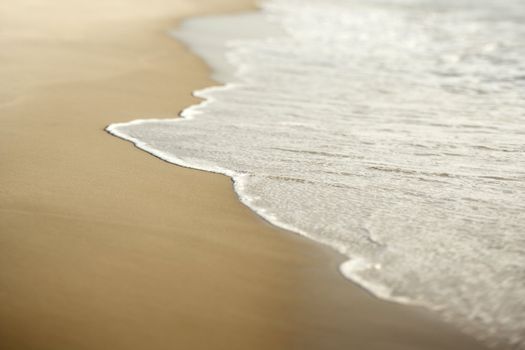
(103, 246)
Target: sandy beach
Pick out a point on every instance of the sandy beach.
(103, 246)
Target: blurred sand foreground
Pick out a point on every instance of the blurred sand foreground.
(103, 246)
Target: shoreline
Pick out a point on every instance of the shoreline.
(104, 246)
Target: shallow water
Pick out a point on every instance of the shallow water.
(393, 131)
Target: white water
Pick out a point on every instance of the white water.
(393, 131)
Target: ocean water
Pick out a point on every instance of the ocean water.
(392, 131)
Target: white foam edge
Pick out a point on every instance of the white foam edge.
(350, 268)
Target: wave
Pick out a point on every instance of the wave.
(390, 131)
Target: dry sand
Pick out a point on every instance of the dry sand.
(103, 246)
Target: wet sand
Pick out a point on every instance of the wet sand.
(103, 246)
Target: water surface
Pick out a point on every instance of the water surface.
(393, 131)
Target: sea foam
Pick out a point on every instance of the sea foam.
(392, 131)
